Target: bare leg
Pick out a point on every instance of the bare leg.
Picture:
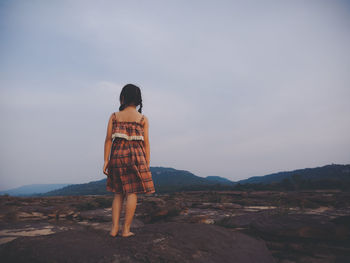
(117, 206)
(131, 202)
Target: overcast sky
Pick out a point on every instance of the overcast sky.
(231, 88)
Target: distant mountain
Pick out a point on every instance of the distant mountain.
(335, 176)
(337, 172)
(164, 176)
(219, 179)
(27, 190)
(91, 188)
(165, 180)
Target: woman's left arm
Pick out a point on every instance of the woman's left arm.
(146, 141)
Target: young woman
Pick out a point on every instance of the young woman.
(127, 157)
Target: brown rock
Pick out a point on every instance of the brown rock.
(161, 242)
(299, 226)
(155, 209)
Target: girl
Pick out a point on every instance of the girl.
(128, 166)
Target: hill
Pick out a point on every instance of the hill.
(219, 179)
(337, 172)
(334, 176)
(27, 190)
(165, 180)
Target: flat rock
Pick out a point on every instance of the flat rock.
(244, 220)
(160, 242)
(300, 226)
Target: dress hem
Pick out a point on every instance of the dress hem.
(148, 192)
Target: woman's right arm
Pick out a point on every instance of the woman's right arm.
(108, 145)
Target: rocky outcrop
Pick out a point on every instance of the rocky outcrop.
(161, 242)
(300, 226)
(309, 226)
(155, 209)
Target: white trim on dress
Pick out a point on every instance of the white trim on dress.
(127, 137)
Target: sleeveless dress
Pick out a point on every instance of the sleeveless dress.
(127, 170)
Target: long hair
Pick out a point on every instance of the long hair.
(130, 95)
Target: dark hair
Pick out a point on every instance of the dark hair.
(130, 95)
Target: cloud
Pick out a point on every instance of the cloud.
(232, 88)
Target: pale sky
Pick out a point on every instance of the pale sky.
(231, 88)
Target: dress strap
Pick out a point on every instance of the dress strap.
(115, 117)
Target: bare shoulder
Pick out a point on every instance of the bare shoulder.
(145, 120)
(113, 115)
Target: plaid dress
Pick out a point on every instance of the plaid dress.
(128, 171)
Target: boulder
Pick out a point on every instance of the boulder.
(155, 209)
(160, 242)
(242, 220)
(299, 226)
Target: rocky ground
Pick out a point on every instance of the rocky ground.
(201, 226)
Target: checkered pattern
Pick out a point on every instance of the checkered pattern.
(128, 170)
(132, 130)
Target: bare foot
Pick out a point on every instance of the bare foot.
(113, 232)
(128, 234)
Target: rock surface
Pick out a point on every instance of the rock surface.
(162, 242)
(198, 226)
